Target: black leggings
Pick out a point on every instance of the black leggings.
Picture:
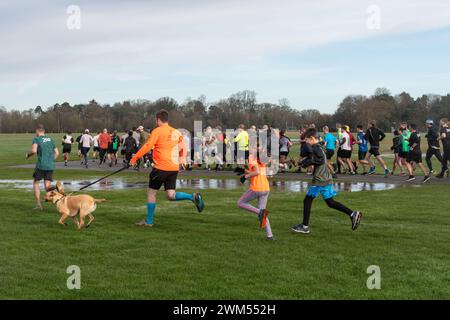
(445, 159)
(307, 203)
(430, 153)
(103, 155)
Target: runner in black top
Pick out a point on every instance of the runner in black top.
(433, 145)
(375, 136)
(415, 155)
(67, 141)
(129, 146)
(445, 138)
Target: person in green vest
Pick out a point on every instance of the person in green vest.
(47, 152)
(404, 136)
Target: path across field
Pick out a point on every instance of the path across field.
(375, 178)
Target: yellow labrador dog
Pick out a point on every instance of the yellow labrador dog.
(70, 206)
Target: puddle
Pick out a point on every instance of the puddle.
(201, 184)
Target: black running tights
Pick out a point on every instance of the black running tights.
(307, 203)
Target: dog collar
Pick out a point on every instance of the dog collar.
(59, 199)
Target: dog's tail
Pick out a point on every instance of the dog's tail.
(99, 200)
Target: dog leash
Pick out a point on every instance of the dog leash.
(102, 178)
(96, 181)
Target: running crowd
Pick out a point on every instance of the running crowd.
(406, 148)
(156, 149)
(105, 146)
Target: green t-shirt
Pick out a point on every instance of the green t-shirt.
(405, 140)
(45, 153)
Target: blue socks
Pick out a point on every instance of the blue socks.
(180, 196)
(150, 212)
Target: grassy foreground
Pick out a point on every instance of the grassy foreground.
(221, 254)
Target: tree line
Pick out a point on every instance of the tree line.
(242, 107)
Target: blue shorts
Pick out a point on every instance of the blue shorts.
(327, 191)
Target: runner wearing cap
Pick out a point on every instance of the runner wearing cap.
(86, 142)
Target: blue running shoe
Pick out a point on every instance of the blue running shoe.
(371, 171)
(198, 201)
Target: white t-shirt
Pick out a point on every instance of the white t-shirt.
(86, 140)
(95, 140)
(346, 145)
(68, 139)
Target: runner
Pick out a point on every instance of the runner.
(122, 150)
(113, 148)
(330, 147)
(404, 136)
(96, 147)
(285, 146)
(129, 147)
(397, 148)
(86, 142)
(167, 143)
(415, 155)
(219, 148)
(375, 136)
(103, 143)
(433, 145)
(242, 146)
(46, 151)
(67, 141)
(345, 154)
(339, 138)
(79, 146)
(143, 138)
(445, 138)
(259, 190)
(322, 183)
(362, 149)
(209, 148)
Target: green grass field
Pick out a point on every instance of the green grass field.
(221, 253)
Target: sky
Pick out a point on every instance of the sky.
(312, 53)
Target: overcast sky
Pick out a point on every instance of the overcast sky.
(313, 53)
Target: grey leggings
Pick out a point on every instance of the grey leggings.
(250, 195)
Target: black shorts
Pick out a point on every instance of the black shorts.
(414, 157)
(67, 148)
(403, 154)
(329, 153)
(112, 151)
(284, 153)
(362, 155)
(345, 154)
(39, 174)
(160, 177)
(97, 149)
(374, 151)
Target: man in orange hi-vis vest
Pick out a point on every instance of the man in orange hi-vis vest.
(166, 144)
